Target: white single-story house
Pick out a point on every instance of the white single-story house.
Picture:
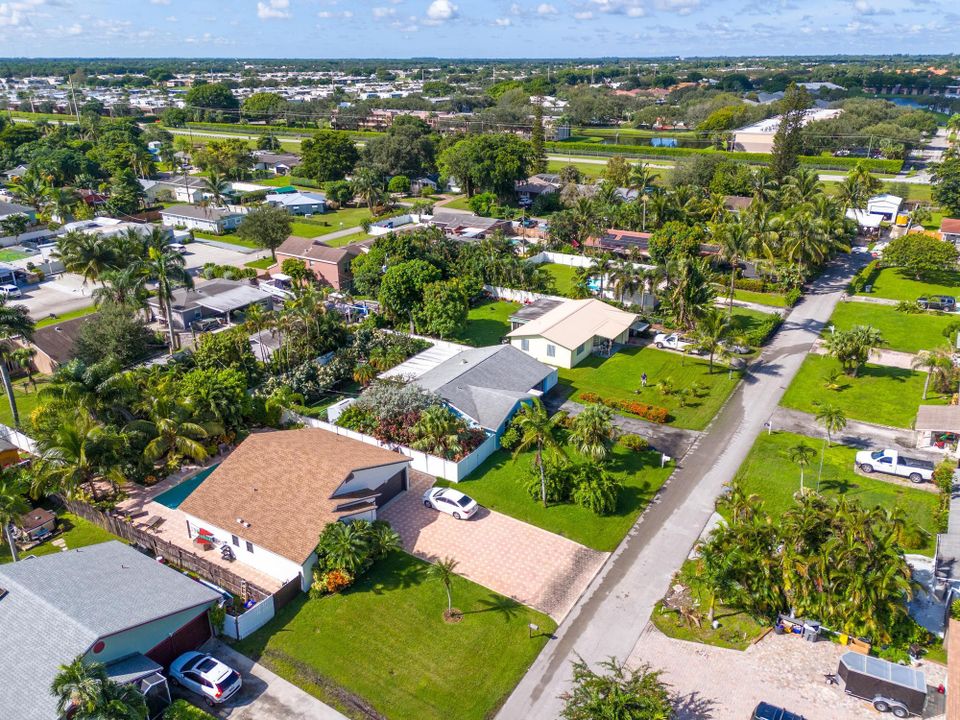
(205, 219)
(272, 497)
(885, 205)
(758, 137)
(299, 203)
(568, 333)
(185, 189)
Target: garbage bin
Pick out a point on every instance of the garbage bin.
(811, 630)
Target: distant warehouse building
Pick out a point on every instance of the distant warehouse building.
(758, 137)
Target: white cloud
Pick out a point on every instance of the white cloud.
(681, 7)
(546, 9)
(171, 18)
(273, 9)
(379, 13)
(13, 14)
(440, 11)
(503, 22)
(159, 2)
(406, 26)
(586, 15)
(631, 8)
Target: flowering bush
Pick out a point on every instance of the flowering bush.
(337, 580)
(653, 413)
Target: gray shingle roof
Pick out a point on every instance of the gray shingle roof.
(57, 606)
(486, 383)
(14, 209)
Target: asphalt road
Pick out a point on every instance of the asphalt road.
(609, 618)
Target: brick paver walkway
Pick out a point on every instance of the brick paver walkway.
(720, 684)
(513, 558)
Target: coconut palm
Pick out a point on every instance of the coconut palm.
(89, 255)
(79, 685)
(126, 288)
(31, 190)
(14, 322)
(592, 432)
(538, 431)
(736, 243)
(72, 456)
(832, 419)
(627, 278)
(437, 432)
(23, 356)
(690, 293)
(938, 365)
(852, 347)
(801, 454)
(217, 187)
(642, 176)
(711, 333)
(368, 186)
(444, 571)
(61, 203)
(173, 434)
(802, 185)
(169, 270)
(13, 504)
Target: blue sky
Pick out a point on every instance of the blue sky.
(472, 28)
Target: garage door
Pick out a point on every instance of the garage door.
(391, 488)
(189, 637)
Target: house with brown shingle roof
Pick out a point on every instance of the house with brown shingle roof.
(950, 230)
(273, 495)
(331, 265)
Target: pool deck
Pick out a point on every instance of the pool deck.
(174, 527)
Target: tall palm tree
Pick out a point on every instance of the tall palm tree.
(642, 176)
(832, 419)
(801, 454)
(444, 571)
(79, 685)
(169, 270)
(736, 243)
(13, 504)
(256, 320)
(85, 254)
(61, 203)
(538, 431)
(126, 288)
(31, 190)
(690, 293)
(23, 356)
(938, 364)
(627, 278)
(173, 433)
(216, 186)
(712, 330)
(592, 432)
(70, 456)
(801, 186)
(14, 321)
(368, 186)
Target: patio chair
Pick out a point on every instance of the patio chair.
(153, 523)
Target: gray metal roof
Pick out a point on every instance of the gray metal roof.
(132, 668)
(536, 309)
(57, 606)
(196, 212)
(486, 383)
(14, 209)
(220, 295)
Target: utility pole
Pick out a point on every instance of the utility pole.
(73, 94)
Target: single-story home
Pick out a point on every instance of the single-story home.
(106, 603)
(218, 299)
(205, 219)
(536, 185)
(8, 209)
(467, 226)
(568, 333)
(424, 183)
(938, 427)
(532, 311)
(623, 241)
(331, 265)
(887, 206)
(277, 163)
(299, 203)
(37, 524)
(273, 495)
(487, 385)
(950, 230)
(54, 344)
(185, 189)
(106, 227)
(737, 204)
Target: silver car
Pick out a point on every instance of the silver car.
(214, 681)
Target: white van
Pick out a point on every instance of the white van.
(10, 291)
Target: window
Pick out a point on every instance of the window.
(551, 350)
(235, 540)
(525, 344)
(249, 547)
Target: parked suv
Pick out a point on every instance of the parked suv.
(205, 675)
(765, 711)
(946, 303)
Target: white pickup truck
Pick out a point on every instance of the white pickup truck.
(892, 462)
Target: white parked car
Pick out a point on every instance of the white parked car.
(453, 502)
(206, 676)
(178, 248)
(672, 341)
(10, 291)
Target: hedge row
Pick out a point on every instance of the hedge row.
(278, 130)
(758, 335)
(653, 413)
(863, 278)
(648, 151)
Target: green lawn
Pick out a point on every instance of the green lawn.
(744, 320)
(459, 204)
(618, 377)
(26, 397)
(487, 323)
(893, 284)
(261, 264)
(882, 395)
(908, 332)
(385, 640)
(499, 485)
(76, 533)
(284, 181)
(589, 170)
(358, 236)
(229, 239)
(761, 298)
(62, 317)
(7, 255)
(564, 278)
(769, 473)
(341, 219)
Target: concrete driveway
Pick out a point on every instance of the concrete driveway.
(63, 294)
(198, 254)
(513, 558)
(264, 695)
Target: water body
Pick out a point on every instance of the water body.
(659, 141)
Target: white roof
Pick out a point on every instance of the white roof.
(575, 322)
(297, 198)
(769, 126)
(865, 219)
(884, 203)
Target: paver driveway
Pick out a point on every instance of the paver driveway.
(530, 565)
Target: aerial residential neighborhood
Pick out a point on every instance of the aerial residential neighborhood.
(431, 361)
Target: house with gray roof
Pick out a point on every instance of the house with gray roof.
(214, 300)
(299, 203)
(205, 219)
(487, 385)
(106, 603)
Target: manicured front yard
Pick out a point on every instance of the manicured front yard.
(346, 239)
(228, 238)
(487, 323)
(564, 278)
(908, 332)
(385, 640)
(618, 377)
(62, 317)
(499, 484)
(893, 284)
(261, 264)
(460, 203)
(761, 298)
(881, 395)
(77, 533)
(769, 473)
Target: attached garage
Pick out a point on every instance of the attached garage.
(189, 637)
(392, 487)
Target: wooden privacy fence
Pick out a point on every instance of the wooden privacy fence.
(171, 553)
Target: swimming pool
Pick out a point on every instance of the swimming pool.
(176, 495)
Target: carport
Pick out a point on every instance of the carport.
(938, 428)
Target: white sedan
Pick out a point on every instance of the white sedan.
(453, 502)
(672, 341)
(206, 676)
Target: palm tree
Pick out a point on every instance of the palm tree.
(691, 293)
(642, 176)
(539, 431)
(85, 254)
(852, 347)
(627, 277)
(438, 433)
(736, 243)
(368, 186)
(801, 454)
(14, 321)
(169, 270)
(118, 702)
(216, 187)
(832, 419)
(592, 432)
(69, 456)
(23, 357)
(173, 433)
(364, 373)
(256, 320)
(712, 330)
(31, 190)
(344, 546)
(61, 202)
(79, 685)
(13, 505)
(938, 364)
(125, 288)
(443, 570)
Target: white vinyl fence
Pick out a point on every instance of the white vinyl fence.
(521, 296)
(240, 626)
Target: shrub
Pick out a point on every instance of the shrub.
(634, 442)
(336, 580)
(751, 284)
(758, 335)
(596, 490)
(793, 296)
(943, 475)
(590, 397)
(863, 278)
(653, 413)
(955, 610)
(510, 438)
(182, 710)
(908, 308)
(358, 419)
(558, 479)
(218, 616)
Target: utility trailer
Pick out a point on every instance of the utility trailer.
(897, 689)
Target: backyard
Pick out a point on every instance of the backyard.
(76, 533)
(564, 278)
(879, 394)
(27, 399)
(498, 485)
(487, 323)
(769, 473)
(894, 284)
(384, 640)
(618, 378)
(907, 332)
